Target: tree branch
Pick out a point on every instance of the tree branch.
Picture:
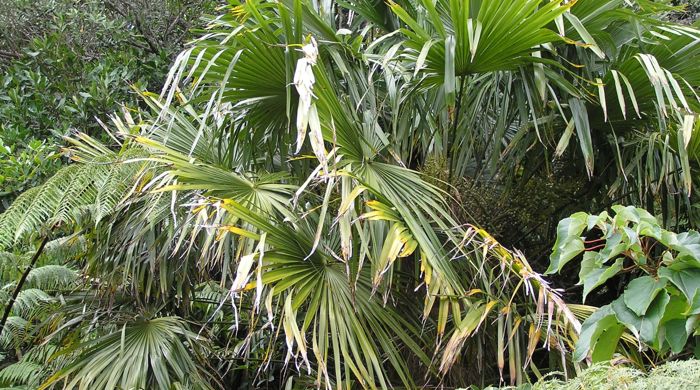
(10, 55)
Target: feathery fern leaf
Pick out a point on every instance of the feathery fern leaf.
(51, 277)
(21, 373)
(90, 189)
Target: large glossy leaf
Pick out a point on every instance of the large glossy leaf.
(594, 274)
(647, 325)
(641, 292)
(569, 242)
(685, 277)
(600, 323)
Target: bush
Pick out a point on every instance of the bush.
(66, 62)
(675, 375)
(660, 302)
(25, 168)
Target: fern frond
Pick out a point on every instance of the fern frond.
(52, 277)
(60, 250)
(92, 188)
(10, 264)
(31, 301)
(21, 373)
(114, 185)
(41, 354)
(14, 332)
(9, 219)
(77, 193)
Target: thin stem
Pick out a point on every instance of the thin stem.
(20, 284)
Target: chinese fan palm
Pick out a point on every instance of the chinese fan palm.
(281, 164)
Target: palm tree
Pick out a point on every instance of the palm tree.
(277, 200)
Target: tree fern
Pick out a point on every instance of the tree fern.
(52, 277)
(41, 354)
(14, 332)
(10, 264)
(9, 220)
(21, 373)
(91, 189)
(30, 302)
(32, 369)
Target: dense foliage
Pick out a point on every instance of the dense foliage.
(308, 200)
(674, 375)
(661, 302)
(66, 65)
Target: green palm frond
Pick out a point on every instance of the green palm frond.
(457, 38)
(304, 241)
(151, 354)
(280, 170)
(313, 294)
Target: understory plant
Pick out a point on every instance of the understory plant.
(660, 269)
(681, 375)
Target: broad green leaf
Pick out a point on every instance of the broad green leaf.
(674, 322)
(683, 276)
(676, 335)
(646, 326)
(569, 243)
(640, 293)
(607, 343)
(614, 246)
(603, 319)
(695, 304)
(593, 274)
(687, 243)
(630, 214)
(599, 221)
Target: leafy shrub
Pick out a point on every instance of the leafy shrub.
(64, 63)
(660, 306)
(80, 68)
(675, 375)
(24, 167)
(690, 12)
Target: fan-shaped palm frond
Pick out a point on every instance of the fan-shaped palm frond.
(149, 354)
